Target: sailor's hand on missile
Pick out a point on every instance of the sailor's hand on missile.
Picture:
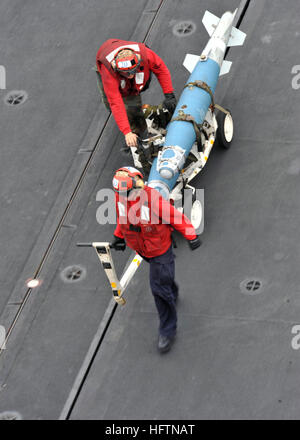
(131, 139)
(170, 102)
(118, 244)
(194, 244)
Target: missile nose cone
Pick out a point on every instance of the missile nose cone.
(166, 173)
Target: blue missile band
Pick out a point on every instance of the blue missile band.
(196, 103)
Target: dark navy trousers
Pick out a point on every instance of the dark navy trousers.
(165, 291)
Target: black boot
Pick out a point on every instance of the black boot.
(164, 343)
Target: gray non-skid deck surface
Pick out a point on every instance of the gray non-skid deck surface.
(233, 356)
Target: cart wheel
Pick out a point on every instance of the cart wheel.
(225, 129)
(196, 215)
(194, 211)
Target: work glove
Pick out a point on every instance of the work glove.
(194, 244)
(118, 244)
(170, 102)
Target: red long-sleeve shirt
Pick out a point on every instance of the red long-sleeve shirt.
(158, 214)
(111, 87)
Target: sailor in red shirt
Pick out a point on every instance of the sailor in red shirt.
(124, 69)
(145, 221)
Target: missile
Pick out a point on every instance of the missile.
(195, 100)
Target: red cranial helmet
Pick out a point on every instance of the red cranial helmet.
(126, 182)
(126, 62)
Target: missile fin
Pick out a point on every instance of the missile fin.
(237, 37)
(210, 22)
(226, 66)
(190, 62)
